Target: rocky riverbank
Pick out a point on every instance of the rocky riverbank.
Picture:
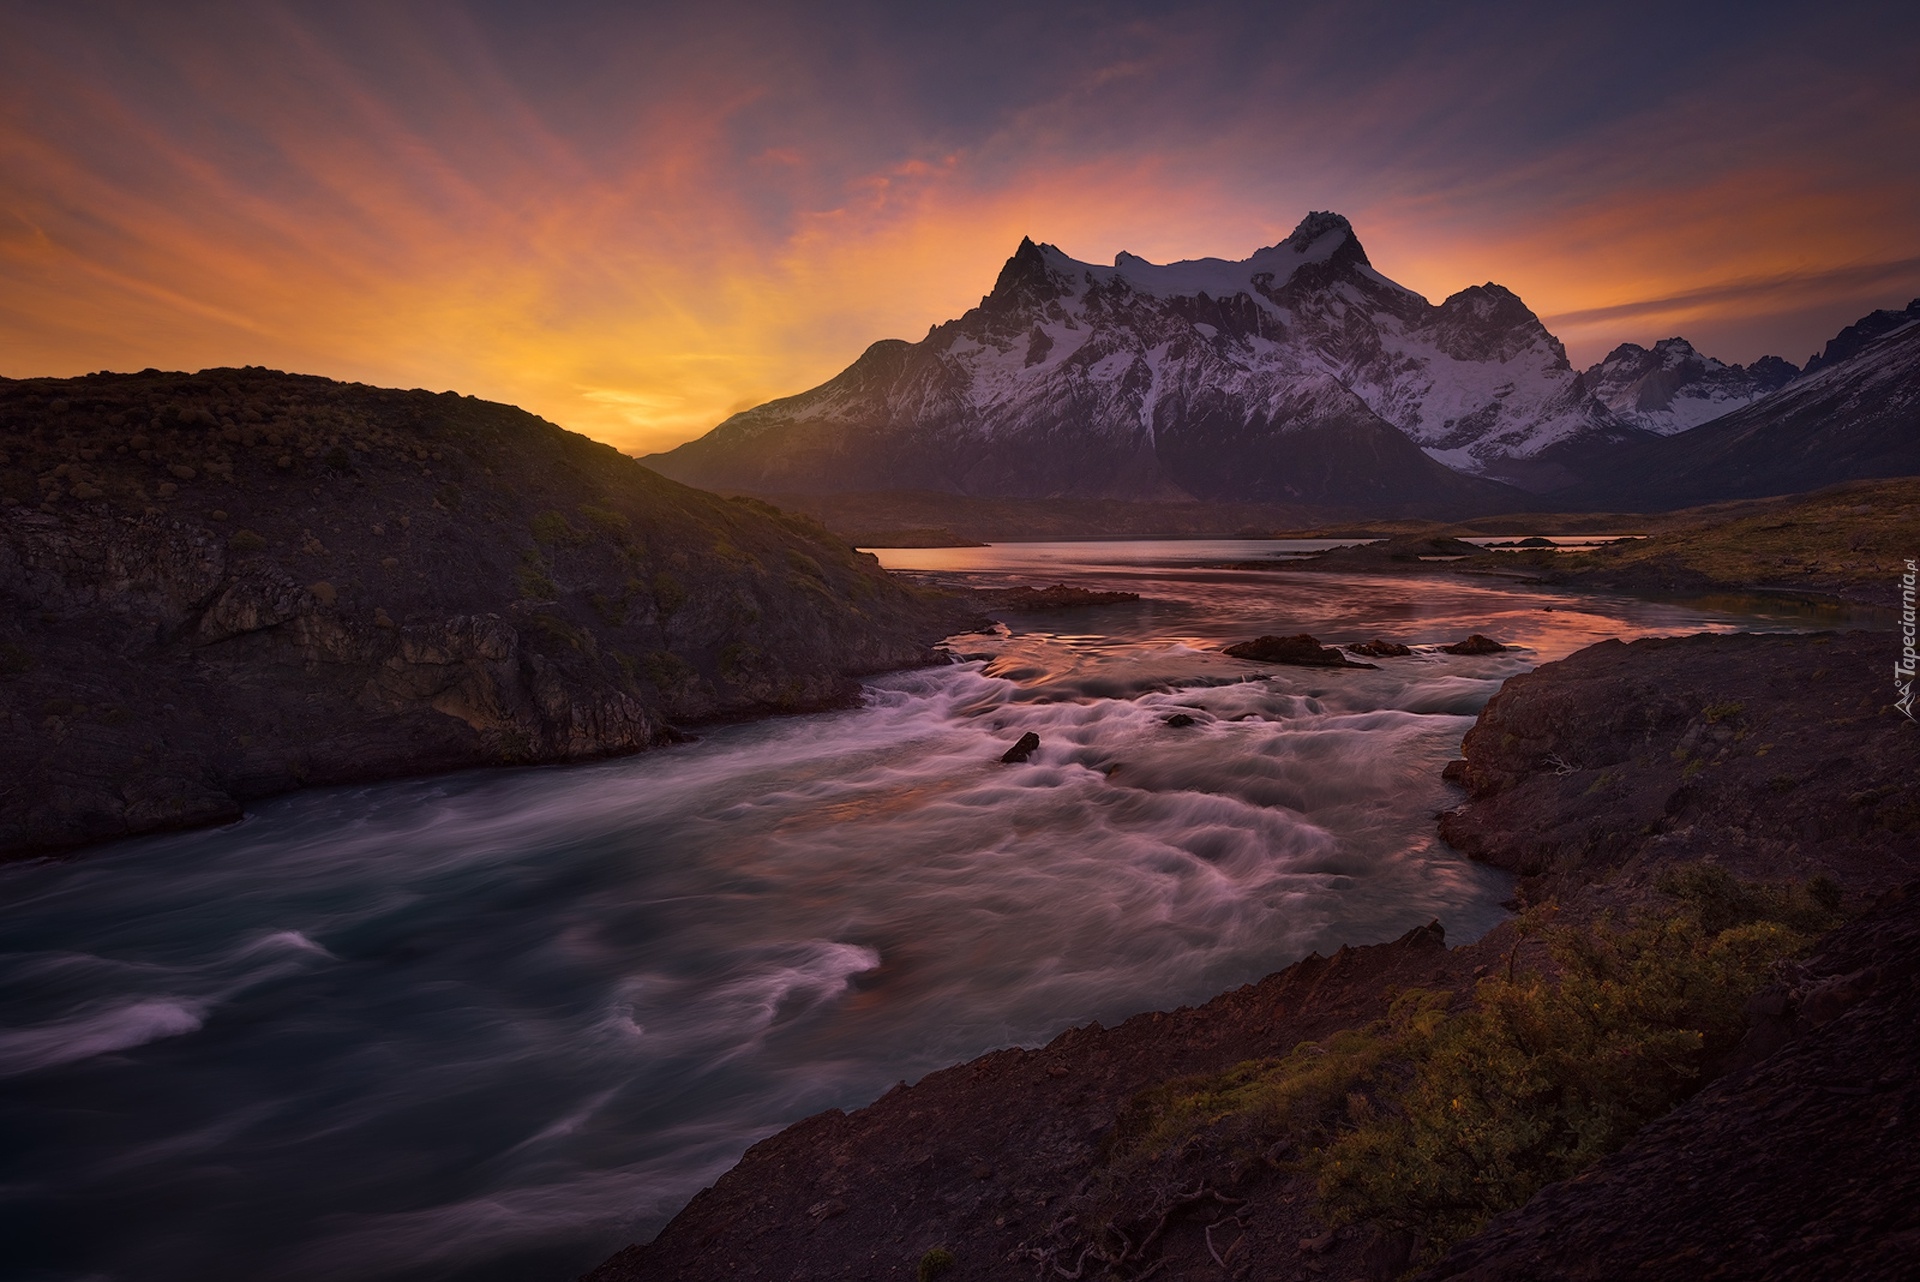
(1845, 545)
(220, 586)
(1599, 779)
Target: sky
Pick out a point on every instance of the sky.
(635, 219)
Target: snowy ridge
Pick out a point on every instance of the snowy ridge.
(1071, 377)
(1673, 388)
(1851, 419)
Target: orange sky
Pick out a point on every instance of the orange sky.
(635, 223)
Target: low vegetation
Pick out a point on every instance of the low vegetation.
(1848, 541)
(1447, 1111)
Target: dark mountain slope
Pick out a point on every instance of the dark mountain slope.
(1855, 419)
(223, 585)
(1855, 338)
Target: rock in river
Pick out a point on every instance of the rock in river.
(1019, 752)
(1300, 651)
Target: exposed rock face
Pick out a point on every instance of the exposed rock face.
(356, 584)
(1300, 374)
(1672, 387)
(1300, 651)
(1780, 753)
(1475, 644)
(1858, 336)
(1379, 649)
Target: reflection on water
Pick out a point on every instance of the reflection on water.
(497, 1024)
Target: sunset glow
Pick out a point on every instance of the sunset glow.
(635, 223)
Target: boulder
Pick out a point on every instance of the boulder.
(1475, 644)
(1300, 651)
(1057, 597)
(1019, 752)
(1378, 649)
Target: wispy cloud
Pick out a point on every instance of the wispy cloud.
(633, 219)
(1769, 295)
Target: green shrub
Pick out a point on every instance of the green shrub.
(668, 595)
(1720, 900)
(565, 633)
(611, 609)
(738, 661)
(667, 670)
(1542, 1077)
(533, 578)
(553, 527)
(933, 1264)
(1433, 1119)
(613, 524)
(244, 541)
(803, 564)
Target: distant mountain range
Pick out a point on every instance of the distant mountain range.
(1854, 417)
(1298, 375)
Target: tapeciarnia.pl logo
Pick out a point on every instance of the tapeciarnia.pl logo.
(1903, 668)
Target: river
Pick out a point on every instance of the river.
(497, 1024)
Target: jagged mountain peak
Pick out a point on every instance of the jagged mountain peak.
(1673, 386)
(1319, 224)
(1321, 252)
(1773, 372)
(1073, 376)
(1031, 278)
(1855, 337)
(1487, 301)
(1490, 322)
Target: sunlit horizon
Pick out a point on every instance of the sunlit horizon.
(637, 222)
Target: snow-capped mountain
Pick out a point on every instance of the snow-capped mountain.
(1672, 387)
(1298, 374)
(1855, 337)
(1854, 418)
(1286, 375)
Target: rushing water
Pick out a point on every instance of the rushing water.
(497, 1024)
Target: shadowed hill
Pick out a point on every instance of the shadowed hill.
(224, 585)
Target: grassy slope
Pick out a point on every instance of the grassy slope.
(1849, 541)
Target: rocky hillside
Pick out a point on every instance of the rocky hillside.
(1172, 1145)
(1623, 757)
(224, 585)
